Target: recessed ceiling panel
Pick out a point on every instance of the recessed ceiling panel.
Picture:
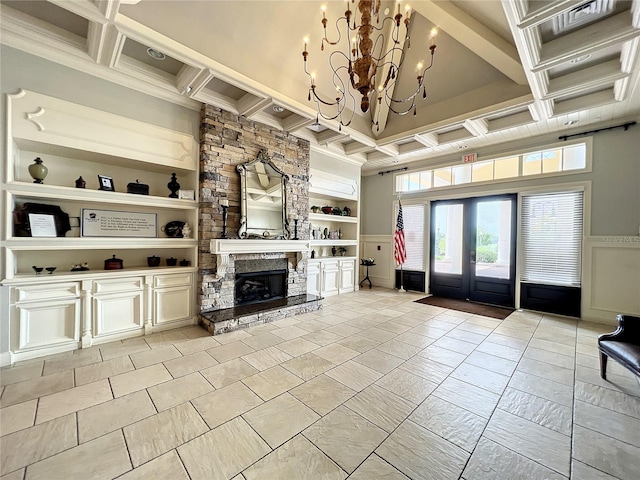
(139, 52)
(50, 13)
(585, 61)
(226, 89)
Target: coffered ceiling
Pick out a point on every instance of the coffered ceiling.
(503, 70)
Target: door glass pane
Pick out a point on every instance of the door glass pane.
(493, 239)
(448, 239)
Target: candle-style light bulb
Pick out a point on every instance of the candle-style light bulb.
(313, 78)
(433, 35)
(399, 6)
(324, 10)
(305, 40)
(419, 67)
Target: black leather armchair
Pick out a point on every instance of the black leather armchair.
(623, 345)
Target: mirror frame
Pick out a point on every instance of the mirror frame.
(243, 231)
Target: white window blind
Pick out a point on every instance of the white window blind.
(413, 218)
(552, 238)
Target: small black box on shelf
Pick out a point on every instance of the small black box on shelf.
(138, 188)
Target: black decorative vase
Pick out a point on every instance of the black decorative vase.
(174, 186)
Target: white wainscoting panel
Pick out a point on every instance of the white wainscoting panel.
(383, 273)
(611, 278)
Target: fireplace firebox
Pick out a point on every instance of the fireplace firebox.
(256, 287)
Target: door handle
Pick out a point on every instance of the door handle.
(472, 256)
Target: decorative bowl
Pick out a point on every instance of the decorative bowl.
(172, 262)
(50, 269)
(153, 261)
(327, 210)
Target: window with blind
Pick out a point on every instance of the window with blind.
(413, 218)
(552, 238)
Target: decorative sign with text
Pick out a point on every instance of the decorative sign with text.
(108, 223)
(469, 158)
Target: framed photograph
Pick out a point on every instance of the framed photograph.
(187, 194)
(106, 183)
(42, 225)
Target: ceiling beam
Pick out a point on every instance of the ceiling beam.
(602, 74)
(105, 43)
(329, 136)
(295, 122)
(427, 139)
(478, 127)
(354, 147)
(585, 102)
(475, 36)
(249, 104)
(190, 80)
(547, 11)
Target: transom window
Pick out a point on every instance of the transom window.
(556, 160)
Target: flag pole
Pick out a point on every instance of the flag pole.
(401, 289)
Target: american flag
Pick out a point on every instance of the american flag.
(400, 251)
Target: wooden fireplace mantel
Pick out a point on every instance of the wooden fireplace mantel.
(222, 248)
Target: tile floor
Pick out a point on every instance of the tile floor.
(373, 386)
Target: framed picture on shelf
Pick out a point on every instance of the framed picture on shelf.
(42, 225)
(187, 194)
(106, 183)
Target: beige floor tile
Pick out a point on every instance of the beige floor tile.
(546, 370)
(308, 365)
(229, 351)
(459, 334)
(626, 383)
(345, 437)
(399, 349)
(538, 410)
(606, 454)
(72, 400)
(297, 347)
(272, 382)
(262, 340)
(378, 334)
(37, 443)
(263, 328)
(179, 367)
(358, 343)
(138, 379)
(15, 475)
(558, 359)
(541, 387)
(108, 459)
(286, 322)
(508, 330)
(36, 387)
(507, 341)
(153, 436)
(449, 421)
(454, 345)
(153, 356)
(231, 337)
(228, 372)
(609, 423)
(114, 350)
(20, 373)
(491, 362)
(374, 468)
(475, 399)
(17, 417)
(429, 330)
(580, 471)
(480, 377)
(106, 369)
(344, 330)
(79, 358)
(280, 419)
(266, 358)
(163, 339)
(223, 452)
(113, 415)
(172, 393)
(322, 394)
(354, 375)
(427, 369)
(296, 459)
(492, 461)
(290, 332)
(197, 345)
(165, 467)
(378, 360)
(226, 403)
(568, 350)
(443, 355)
(313, 325)
(394, 326)
(538, 443)
(502, 351)
(419, 453)
(336, 353)
(195, 331)
(381, 407)
(607, 398)
(322, 337)
(411, 387)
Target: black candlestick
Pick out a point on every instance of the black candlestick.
(295, 229)
(224, 221)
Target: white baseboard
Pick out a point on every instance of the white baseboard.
(5, 359)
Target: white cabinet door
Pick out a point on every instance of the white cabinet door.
(172, 304)
(46, 324)
(314, 277)
(347, 276)
(118, 312)
(330, 277)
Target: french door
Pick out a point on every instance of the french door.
(473, 249)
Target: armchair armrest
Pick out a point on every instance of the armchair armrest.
(628, 330)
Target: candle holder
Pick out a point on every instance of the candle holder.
(295, 229)
(224, 221)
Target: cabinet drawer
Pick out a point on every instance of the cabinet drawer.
(160, 281)
(117, 285)
(47, 324)
(38, 293)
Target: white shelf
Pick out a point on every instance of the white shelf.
(58, 276)
(104, 243)
(322, 217)
(329, 243)
(69, 194)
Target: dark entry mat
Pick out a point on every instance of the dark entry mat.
(469, 307)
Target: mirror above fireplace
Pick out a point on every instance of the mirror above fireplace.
(263, 199)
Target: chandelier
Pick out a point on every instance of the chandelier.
(368, 62)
